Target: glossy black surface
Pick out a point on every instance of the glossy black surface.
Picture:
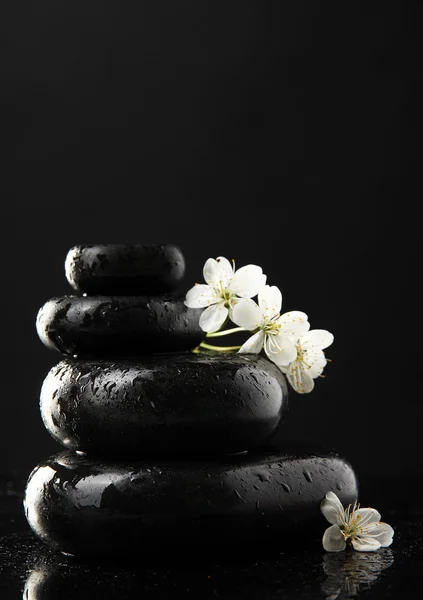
(120, 269)
(270, 573)
(164, 404)
(118, 325)
(84, 507)
(293, 567)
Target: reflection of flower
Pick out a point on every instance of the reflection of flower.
(360, 526)
(347, 573)
(274, 331)
(224, 288)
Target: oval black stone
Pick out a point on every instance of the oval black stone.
(164, 405)
(83, 507)
(120, 269)
(118, 325)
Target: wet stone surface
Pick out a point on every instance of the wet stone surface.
(118, 325)
(292, 567)
(120, 269)
(86, 507)
(164, 404)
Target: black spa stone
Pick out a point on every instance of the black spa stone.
(121, 269)
(118, 325)
(83, 507)
(164, 404)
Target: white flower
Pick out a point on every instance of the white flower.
(310, 359)
(360, 526)
(224, 288)
(274, 331)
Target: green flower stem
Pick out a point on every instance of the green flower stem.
(218, 348)
(226, 332)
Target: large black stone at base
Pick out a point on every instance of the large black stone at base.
(164, 404)
(121, 269)
(83, 507)
(118, 325)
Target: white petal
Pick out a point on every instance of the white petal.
(232, 303)
(365, 544)
(246, 313)
(253, 345)
(332, 509)
(314, 362)
(280, 349)
(366, 516)
(213, 318)
(294, 324)
(211, 272)
(301, 381)
(383, 533)
(317, 338)
(270, 301)
(218, 273)
(333, 540)
(248, 281)
(226, 270)
(200, 296)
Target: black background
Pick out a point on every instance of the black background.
(285, 134)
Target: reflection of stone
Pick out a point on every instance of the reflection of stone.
(52, 580)
(348, 572)
(51, 576)
(34, 585)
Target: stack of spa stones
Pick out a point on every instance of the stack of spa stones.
(164, 446)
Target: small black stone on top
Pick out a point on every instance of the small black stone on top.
(120, 269)
(118, 325)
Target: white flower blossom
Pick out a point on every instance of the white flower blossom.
(274, 331)
(310, 359)
(224, 288)
(359, 526)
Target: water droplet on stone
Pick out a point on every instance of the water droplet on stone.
(308, 477)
